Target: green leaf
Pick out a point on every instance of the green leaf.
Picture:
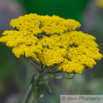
(40, 91)
(33, 82)
(32, 79)
(46, 82)
(47, 87)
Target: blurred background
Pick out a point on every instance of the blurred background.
(15, 73)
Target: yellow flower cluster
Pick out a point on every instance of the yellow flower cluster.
(99, 3)
(37, 24)
(52, 40)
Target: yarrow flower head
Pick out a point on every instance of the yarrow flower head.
(53, 41)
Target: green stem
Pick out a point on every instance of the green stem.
(36, 66)
(28, 95)
(69, 77)
(35, 92)
(34, 83)
(56, 72)
(50, 78)
(39, 77)
(41, 65)
(46, 70)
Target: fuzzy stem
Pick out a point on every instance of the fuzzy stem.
(35, 93)
(36, 66)
(28, 95)
(56, 72)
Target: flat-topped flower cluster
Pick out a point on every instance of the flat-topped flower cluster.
(52, 40)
